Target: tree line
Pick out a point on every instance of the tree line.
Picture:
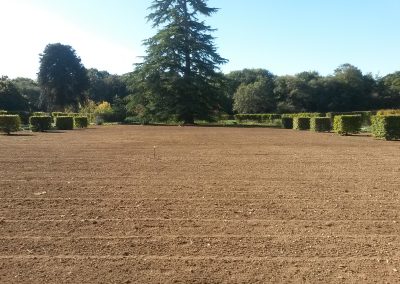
(180, 79)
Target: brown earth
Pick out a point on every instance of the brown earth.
(215, 205)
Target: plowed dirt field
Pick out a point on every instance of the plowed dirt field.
(213, 205)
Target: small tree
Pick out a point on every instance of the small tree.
(62, 77)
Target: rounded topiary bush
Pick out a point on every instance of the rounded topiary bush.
(320, 124)
(9, 123)
(81, 121)
(40, 123)
(65, 122)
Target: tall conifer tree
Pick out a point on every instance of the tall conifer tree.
(180, 74)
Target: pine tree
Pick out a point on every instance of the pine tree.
(180, 74)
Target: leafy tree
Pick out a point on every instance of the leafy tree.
(389, 91)
(62, 77)
(348, 89)
(104, 87)
(299, 93)
(257, 97)
(179, 76)
(10, 97)
(30, 90)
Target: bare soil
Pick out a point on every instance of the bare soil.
(214, 205)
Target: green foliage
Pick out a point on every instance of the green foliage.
(9, 123)
(287, 122)
(2, 112)
(389, 91)
(346, 124)
(29, 89)
(39, 113)
(386, 127)
(255, 97)
(104, 87)
(301, 123)
(179, 76)
(24, 115)
(388, 112)
(64, 122)
(62, 77)
(81, 121)
(257, 117)
(10, 97)
(304, 114)
(40, 123)
(320, 124)
(365, 116)
(59, 113)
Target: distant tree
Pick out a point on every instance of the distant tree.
(257, 97)
(299, 93)
(348, 89)
(389, 91)
(104, 87)
(10, 97)
(62, 77)
(30, 90)
(179, 76)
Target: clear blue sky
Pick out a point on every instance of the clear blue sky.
(283, 36)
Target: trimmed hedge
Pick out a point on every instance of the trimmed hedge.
(365, 116)
(304, 114)
(81, 121)
(320, 124)
(39, 113)
(388, 112)
(346, 124)
(386, 127)
(64, 122)
(40, 123)
(23, 115)
(3, 112)
(301, 123)
(287, 122)
(257, 117)
(10, 123)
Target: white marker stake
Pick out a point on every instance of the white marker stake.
(154, 148)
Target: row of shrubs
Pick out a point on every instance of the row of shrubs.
(382, 126)
(10, 123)
(365, 116)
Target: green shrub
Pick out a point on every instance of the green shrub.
(40, 123)
(304, 114)
(287, 122)
(386, 127)
(301, 123)
(346, 124)
(64, 122)
(365, 117)
(81, 121)
(9, 123)
(57, 113)
(320, 124)
(258, 117)
(23, 115)
(388, 112)
(3, 112)
(39, 113)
